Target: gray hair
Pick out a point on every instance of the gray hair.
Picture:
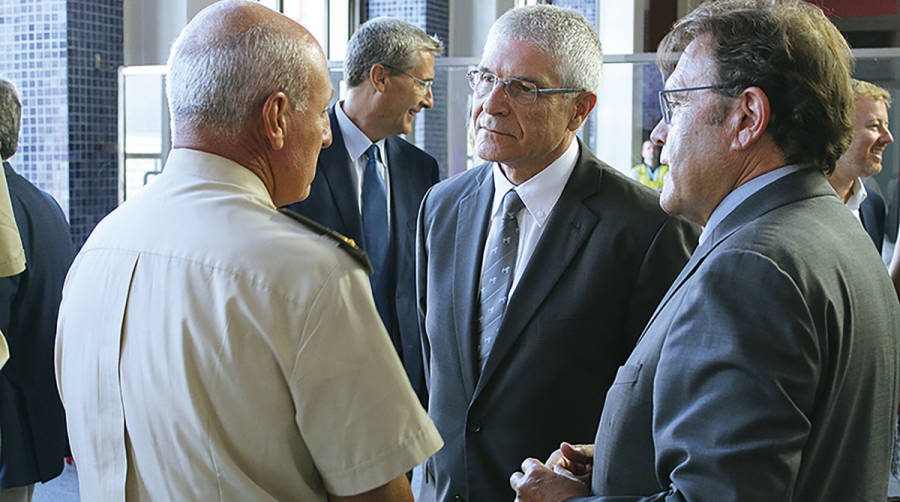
(388, 41)
(219, 82)
(10, 118)
(563, 34)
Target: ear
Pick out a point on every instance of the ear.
(274, 113)
(584, 103)
(752, 117)
(378, 75)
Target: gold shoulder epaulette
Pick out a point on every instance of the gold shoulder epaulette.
(346, 243)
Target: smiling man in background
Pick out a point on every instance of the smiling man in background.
(863, 159)
(370, 181)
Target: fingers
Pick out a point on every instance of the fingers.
(517, 480)
(582, 453)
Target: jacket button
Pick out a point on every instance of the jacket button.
(475, 427)
(457, 498)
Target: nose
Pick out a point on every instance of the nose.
(428, 99)
(496, 101)
(886, 135)
(658, 136)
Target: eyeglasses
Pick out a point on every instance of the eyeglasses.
(666, 107)
(424, 84)
(516, 89)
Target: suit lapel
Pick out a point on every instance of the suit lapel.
(803, 184)
(334, 166)
(473, 214)
(566, 230)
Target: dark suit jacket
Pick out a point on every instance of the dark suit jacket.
(872, 214)
(606, 256)
(333, 202)
(32, 420)
(770, 369)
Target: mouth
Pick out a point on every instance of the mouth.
(489, 130)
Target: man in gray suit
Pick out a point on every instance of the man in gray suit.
(536, 271)
(769, 371)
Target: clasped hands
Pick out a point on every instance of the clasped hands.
(566, 474)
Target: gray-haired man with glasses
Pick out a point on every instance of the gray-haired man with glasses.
(370, 181)
(537, 270)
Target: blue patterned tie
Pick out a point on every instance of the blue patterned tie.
(376, 231)
(497, 273)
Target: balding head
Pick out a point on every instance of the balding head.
(229, 59)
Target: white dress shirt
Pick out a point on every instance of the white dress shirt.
(539, 194)
(356, 143)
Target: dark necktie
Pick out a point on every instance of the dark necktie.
(497, 272)
(376, 231)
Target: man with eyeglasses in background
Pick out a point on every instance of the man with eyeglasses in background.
(582, 253)
(770, 369)
(370, 181)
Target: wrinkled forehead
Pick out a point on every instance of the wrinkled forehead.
(695, 66)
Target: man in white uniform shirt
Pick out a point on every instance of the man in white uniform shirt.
(863, 159)
(210, 347)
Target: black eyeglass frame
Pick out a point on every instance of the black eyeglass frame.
(665, 107)
(474, 78)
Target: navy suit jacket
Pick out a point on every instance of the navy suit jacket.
(872, 214)
(333, 202)
(32, 419)
(769, 370)
(606, 256)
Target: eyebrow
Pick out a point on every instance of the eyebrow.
(534, 81)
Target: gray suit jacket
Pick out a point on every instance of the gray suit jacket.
(770, 369)
(607, 255)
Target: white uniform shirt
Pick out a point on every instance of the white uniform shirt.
(212, 349)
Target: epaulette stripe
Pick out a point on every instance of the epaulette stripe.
(344, 242)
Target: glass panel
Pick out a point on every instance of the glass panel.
(139, 172)
(338, 28)
(143, 111)
(311, 14)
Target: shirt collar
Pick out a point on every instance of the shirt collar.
(742, 193)
(858, 194)
(209, 166)
(355, 141)
(540, 192)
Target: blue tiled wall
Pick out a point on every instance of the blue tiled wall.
(433, 17)
(33, 55)
(94, 29)
(69, 117)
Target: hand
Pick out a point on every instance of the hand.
(537, 483)
(577, 460)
